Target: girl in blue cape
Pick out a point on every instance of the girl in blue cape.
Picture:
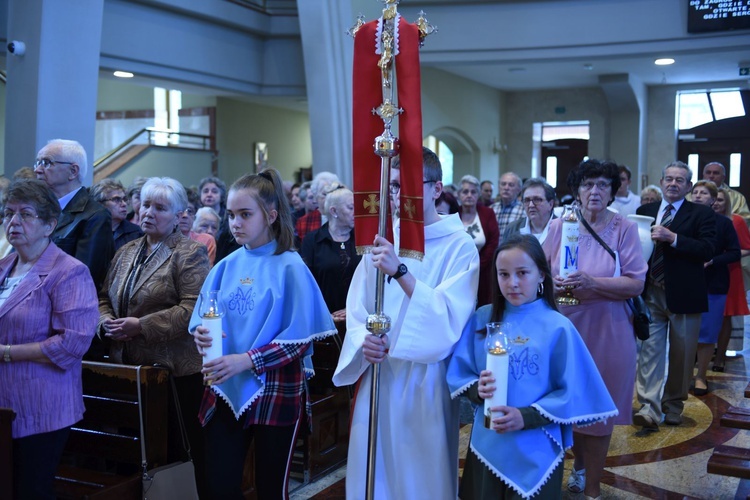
(552, 383)
(273, 310)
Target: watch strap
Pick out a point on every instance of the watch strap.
(402, 270)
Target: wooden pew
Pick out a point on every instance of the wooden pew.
(736, 417)
(6, 452)
(326, 448)
(730, 461)
(102, 458)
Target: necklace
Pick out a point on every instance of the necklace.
(10, 284)
(343, 245)
(339, 237)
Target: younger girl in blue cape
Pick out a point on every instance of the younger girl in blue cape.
(552, 383)
(273, 310)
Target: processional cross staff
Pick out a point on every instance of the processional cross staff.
(382, 48)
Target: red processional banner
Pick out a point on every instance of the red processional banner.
(367, 94)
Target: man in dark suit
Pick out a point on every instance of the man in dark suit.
(676, 294)
(84, 230)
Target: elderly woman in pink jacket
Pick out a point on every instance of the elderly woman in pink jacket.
(48, 314)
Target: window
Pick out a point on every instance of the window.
(552, 171)
(445, 155)
(167, 104)
(697, 108)
(552, 131)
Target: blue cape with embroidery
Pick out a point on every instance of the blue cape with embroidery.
(550, 370)
(267, 299)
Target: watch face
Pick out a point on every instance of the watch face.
(402, 269)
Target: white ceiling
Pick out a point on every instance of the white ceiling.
(516, 45)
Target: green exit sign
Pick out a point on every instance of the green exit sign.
(560, 110)
(744, 71)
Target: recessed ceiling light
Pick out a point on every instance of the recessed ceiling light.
(516, 70)
(123, 74)
(665, 61)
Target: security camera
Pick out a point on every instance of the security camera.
(17, 48)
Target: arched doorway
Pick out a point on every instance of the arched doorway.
(464, 149)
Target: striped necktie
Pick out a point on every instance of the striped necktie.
(657, 262)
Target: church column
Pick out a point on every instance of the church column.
(52, 88)
(328, 53)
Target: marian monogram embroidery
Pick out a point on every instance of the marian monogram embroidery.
(521, 363)
(242, 301)
(473, 231)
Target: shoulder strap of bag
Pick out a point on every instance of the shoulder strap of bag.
(609, 250)
(144, 463)
(597, 237)
(183, 431)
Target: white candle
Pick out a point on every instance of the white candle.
(498, 363)
(569, 248)
(213, 323)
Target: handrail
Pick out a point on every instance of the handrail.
(119, 148)
(151, 131)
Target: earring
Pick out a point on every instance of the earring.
(540, 289)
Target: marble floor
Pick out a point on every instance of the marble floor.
(669, 464)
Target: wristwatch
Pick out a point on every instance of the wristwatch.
(402, 270)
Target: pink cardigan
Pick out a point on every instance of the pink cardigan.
(55, 304)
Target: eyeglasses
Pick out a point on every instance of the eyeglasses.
(395, 187)
(535, 200)
(677, 180)
(116, 199)
(189, 211)
(601, 185)
(24, 215)
(47, 163)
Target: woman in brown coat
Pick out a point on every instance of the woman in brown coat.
(146, 301)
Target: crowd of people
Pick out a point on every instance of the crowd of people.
(114, 274)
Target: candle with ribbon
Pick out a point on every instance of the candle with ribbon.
(498, 362)
(569, 251)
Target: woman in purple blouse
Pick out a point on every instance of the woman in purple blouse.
(48, 314)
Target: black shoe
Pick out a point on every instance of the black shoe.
(698, 391)
(718, 369)
(673, 419)
(645, 421)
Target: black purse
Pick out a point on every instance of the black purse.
(641, 314)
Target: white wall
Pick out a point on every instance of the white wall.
(525, 108)
(241, 124)
(466, 116)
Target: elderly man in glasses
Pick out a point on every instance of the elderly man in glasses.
(538, 199)
(111, 194)
(85, 227)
